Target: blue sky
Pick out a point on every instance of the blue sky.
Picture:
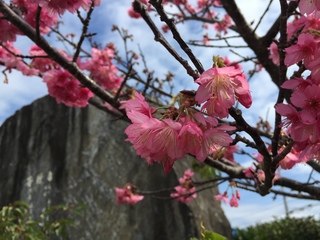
(253, 209)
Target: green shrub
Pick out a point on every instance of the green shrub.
(16, 222)
(282, 229)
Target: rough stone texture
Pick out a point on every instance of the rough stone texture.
(51, 154)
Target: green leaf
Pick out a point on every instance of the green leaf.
(208, 235)
(205, 171)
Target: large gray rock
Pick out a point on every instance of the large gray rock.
(52, 154)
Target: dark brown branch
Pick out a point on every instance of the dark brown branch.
(254, 42)
(235, 171)
(242, 125)
(314, 164)
(84, 32)
(282, 72)
(38, 21)
(274, 30)
(262, 16)
(300, 187)
(176, 35)
(158, 37)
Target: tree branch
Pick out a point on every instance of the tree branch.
(258, 46)
(30, 32)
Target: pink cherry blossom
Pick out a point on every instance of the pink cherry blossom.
(47, 17)
(289, 161)
(60, 6)
(185, 192)
(138, 104)
(309, 6)
(132, 13)
(274, 53)
(8, 32)
(66, 89)
(10, 61)
(165, 142)
(188, 174)
(155, 140)
(190, 138)
(214, 108)
(233, 201)
(298, 131)
(127, 195)
(237, 194)
(249, 172)
(309, 101)
(224, 24)
(222, 197)
(213, 140)
(304, 49)
(223, 85)
(102, 69)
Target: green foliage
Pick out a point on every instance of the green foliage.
(16, 222)
(282, 229)
(205, 171)
(208, 235)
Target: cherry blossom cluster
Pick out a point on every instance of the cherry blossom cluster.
(309, 6)
(191, 7)
(220, 87)
(99, 65)
(28, 10)
(102, 69)
(128, 194)
(301, 117)
(61, 85)
(183, 130)
(60, 6)
(51, 9)
(185, 192)
(66, 89)
(235, 196)
(178, 132)
(8, 57)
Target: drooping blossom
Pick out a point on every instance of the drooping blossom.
(291, 159)
(222, 197)
(127, 195)
(155, 140)
(249, 172)
(237, 194)
(233, 201)
(223, 86)
(190, 138)
(274, 53)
